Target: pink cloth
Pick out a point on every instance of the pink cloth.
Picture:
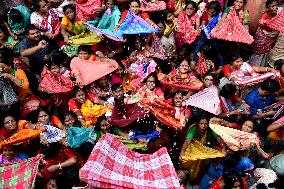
(277, 22)
(92, 70)
(152, 7)
(85, 9)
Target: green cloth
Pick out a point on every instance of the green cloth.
(78, 135)
(70, 51)
(193, 134)
(21, 26)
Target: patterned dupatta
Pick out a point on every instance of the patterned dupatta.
(232, 29)
(227, 105)
(277, 22)
(152, 6)
(207, 28)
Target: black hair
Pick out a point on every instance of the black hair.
(230, 179)
(193, 4)
(114, 2)
(115, 86)
(234, 56)
(270, 85)
(137, 1)
(85, 48)
(68, 113)
(7, 56)
(76, 90)
(214, 5)
(31, 27)
(33, 116)
(69, 6)
(153, 74)
(269, 2)
(228, 90)
(4, 29)
(15, 15)
(261, 186)
(35, 4)
(278, 64)
(278, 183)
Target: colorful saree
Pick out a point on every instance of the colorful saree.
(85, 9)
(106, 24)
(92, 70)
(132, 144)
(153, 5)
(209, 27)
(21, 26)
(186, 32)
(277, 22)
(181, 81)
(232, 29)
(235, 139)
(55, 83)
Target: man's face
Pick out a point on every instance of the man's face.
(118, 93)
(34, 35)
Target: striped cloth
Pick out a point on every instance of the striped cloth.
(232, 30)
(19, 175)
(113, 165)
(277, 22)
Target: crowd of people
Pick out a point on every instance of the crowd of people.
(202, 78)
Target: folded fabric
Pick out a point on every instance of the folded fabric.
(277, 22)
(197, 151)
(19, 175)
(52, 134)
(232, 29)
(255, 79)
(208, 100)
(143, 69)
(55, 82)
(21, 136)
(92, 70)
(235, 139)
(112, 165)
(78, 135)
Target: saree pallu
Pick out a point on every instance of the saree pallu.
(21, 136)
(8, 95)
(207, 99)
(264, 41)
(207, 28)
(165, 113)
(106, 24)
(112, 165)
(134, 24)
(235, 139)
(85, 9)
(153, 6)
(92, 70)
(196, 157)
(55, 83)
(186, 32)
(232, 30)
(19, 175)
(255, 79)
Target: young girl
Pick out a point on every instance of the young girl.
(188, 29)
(10, 155)
(88, 67)
(168, 40)
(74, 31)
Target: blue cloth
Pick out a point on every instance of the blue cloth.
(22, 156)
(255, 101)
(151, 134)
(244, 165)
(78, 135)
(211, 175)
(213, 22)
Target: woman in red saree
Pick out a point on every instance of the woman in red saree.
(265, 38)
(231, 181)
(187, 28)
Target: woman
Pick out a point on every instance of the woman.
(208, 80)
(110, 18)
(74, 31)
(275, 139)
(11, 155)
(190, 156)
(101, 87)
(88, 9)
(242, 73)
(265, 37)
(181, 78)
(233, 26)
(6, 40)
(46, 21)
(87, 108)
(187, 28)
(9, 128)
(15, 76)
(230, 181)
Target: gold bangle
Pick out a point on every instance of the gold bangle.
(266, 69)
(228, 115)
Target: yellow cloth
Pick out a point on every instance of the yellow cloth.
(23, 90)
(85, 39)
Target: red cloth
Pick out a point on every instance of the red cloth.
(129, 114)
(277, 22)
(143, 15)
(75, 106)
(216, 184)
(85, 8)
(232, 30)
(113, 165)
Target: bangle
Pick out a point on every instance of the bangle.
(113, 52)
(266, 69)
(228, 115)
(59, 164)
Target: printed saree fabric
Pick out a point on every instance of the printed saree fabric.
(85, 9)
(52, 134)
(277, 22)
(235, 139)
(55, 82)
(186, 32)
(212, 23)
(112, 165)
(21, 136)
(106, 24)
(207, 99)
(19, 175)
(232, 29)
(153, 5)
(8, 95)
(92, 70)
(132, 144)
(187, 81)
